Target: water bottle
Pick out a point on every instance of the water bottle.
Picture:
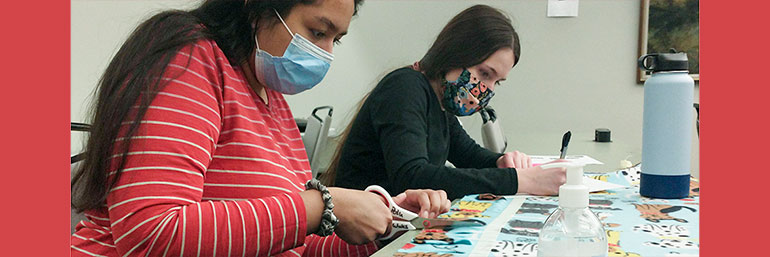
(667, 126)
(572, 229)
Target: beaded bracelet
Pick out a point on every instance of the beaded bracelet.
(328, 220)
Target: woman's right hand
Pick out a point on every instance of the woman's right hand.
(539, 181)
(363, 215)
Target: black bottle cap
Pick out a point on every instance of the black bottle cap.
(656, 62)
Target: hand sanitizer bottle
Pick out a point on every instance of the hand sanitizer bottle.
(572, 229)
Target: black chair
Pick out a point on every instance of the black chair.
(697, 117)
(75, 217)
(75, 126)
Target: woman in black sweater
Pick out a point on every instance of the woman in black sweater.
(407, 127)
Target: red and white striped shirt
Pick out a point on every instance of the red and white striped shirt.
(212, 171)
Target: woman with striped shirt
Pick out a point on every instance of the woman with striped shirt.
(194, 151)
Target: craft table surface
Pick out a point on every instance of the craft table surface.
(639, 226)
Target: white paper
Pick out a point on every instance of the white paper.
(562, 8)
(595, 185)
(580, 159)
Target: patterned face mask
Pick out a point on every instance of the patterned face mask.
(466, 95)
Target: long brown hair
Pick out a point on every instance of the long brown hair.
(467, 40)
(132, 78)
(327, 178)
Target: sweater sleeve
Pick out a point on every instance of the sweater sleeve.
(399, 118)
(464, 152)
(318, 246)
(156, 207)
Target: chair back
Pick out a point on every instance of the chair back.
(315, 136)
(75, 161)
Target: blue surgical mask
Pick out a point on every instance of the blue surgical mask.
(302, 66)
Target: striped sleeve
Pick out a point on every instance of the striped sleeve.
(318, 246)
(156, 208)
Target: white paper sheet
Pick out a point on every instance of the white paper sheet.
(598, 185)
(592, 184)
(582, 159)
(562, 8)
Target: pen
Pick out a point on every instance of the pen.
(564, 143)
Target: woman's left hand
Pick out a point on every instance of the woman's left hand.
(430, 203)
(515, 159)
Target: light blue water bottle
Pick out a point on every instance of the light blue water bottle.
(667, 126)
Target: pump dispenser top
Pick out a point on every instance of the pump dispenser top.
(572, 229)
(573, 194)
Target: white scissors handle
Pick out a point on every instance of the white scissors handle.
(395, 211)
(395, 227)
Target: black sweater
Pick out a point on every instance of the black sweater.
(401, 139)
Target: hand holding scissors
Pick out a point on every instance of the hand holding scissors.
(404, 219)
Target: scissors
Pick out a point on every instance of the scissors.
(408, 220)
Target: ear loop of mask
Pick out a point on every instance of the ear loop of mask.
(282, 22)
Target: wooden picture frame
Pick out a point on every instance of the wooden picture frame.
(675, 24)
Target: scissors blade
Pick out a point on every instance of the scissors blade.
(421, 223)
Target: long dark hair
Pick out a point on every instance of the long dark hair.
(467, 40)
(132, 78)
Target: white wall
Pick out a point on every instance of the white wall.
(575, 74)
(98, 28)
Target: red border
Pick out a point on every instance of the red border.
(35, 81)
(733, 95)
(36, 71)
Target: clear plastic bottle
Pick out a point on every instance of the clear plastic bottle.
(572, 229)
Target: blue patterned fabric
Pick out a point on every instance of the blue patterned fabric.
(635, 225)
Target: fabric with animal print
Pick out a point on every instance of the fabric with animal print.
(476, 206)
(463, 215)
(421, 254)
(635, 225)
(507, 248)
(432, 234)
(537, 208)
(613, 245)
(489, 197)
(673, 244)
(663, 231)
(694, 188)
(658, 212)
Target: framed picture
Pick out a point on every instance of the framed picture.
(667, 24)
